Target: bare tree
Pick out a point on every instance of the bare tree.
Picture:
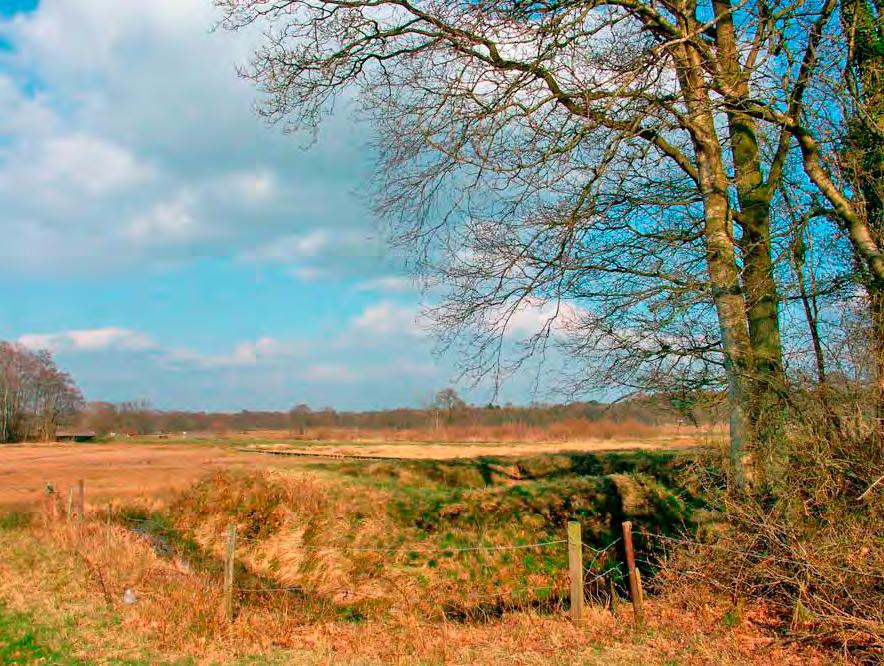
(101, 417)
(35, 396)
(615, 159)
(136, 417)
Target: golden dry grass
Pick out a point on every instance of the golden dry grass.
(72, 579)
(154, 470)
(568, 430)
(127, 471)
(408, 450)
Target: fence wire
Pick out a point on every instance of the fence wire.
(504, 596)
(759, 556)
(158, 527)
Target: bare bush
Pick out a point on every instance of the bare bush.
(813, 548)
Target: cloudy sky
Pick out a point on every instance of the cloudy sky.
(165, 244)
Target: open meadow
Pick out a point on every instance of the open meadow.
(154, 468)
(357, 552)
(429, 332)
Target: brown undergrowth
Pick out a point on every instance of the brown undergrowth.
(809, 543)
(461, 540)
(424, 562)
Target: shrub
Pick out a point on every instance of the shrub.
(811, 544)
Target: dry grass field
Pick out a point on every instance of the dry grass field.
(410, 450)
(153, 468)
(115, 471)
(348, 560)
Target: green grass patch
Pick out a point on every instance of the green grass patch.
(23, 641)
(15, 520)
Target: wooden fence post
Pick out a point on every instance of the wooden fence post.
(228, 572)
(575, 569)
(612, 593)
(51, 503)
(81, 500)
(641, 590)
(110, 512)
(635, 592)
(70, 502)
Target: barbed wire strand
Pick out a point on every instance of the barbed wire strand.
(156, 526)
(599, 551)
(760, 556)
(380, 549)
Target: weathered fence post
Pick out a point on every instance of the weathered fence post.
(641, 590)
(110, 512)
(51, 503)
(635, 592)
(575, 569)
(70, 503)
(81, 500)
(228, 572)
(612, 593)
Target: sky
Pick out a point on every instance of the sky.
(166, 244)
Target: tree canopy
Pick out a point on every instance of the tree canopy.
(624, 164)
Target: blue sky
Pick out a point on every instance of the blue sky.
(166, 244)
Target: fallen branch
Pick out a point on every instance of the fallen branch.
(871, 487)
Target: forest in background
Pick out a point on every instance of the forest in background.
(446, 410)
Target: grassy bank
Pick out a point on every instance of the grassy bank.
(365, 563)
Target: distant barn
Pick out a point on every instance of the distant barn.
(74, 435)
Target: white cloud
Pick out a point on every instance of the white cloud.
(289, 248)
(92, 165)
(388, 318)
(254, 352)
(98, 339)
(58, 172)
(112, 338)
(533, 316)
(256, 186)
(128, 138)
(329, 372)
(105, 29)
(169, 221)
(24, 115)
(307, 273)
(390, 283)
(116, 363)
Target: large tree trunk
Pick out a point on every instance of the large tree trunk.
(724, 275)
(766, 380)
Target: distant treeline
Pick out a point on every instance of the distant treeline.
(447, 410)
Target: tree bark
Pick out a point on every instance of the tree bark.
(724, 276)
(766, 380)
